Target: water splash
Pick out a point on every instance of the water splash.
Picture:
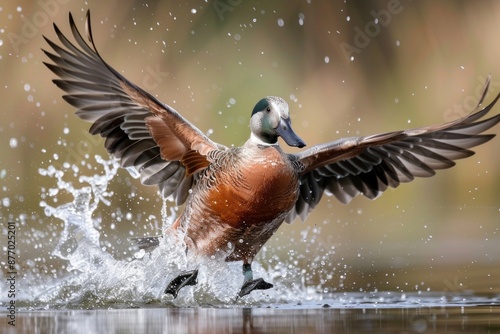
(94, 278)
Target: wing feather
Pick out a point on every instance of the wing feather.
(143, 133)
(369, 165)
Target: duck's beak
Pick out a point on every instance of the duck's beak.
(286, 132)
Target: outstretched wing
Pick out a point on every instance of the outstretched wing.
(369, 165)
(140, 131)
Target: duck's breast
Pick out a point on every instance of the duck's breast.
(241, 201)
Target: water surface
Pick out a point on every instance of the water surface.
(326, 316)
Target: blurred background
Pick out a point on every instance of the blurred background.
(342, 73)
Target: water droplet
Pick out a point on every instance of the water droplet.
(281, 22)
(327, 59)
(193, 11)
(140, 254)
(13, 142)
(27, 87)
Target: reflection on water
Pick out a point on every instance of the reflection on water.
(263, 320)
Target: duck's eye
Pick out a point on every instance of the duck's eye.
(268, 109)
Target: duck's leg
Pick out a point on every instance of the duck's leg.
(250, 284)
(185, 278)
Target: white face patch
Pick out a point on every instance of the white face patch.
(259, 141)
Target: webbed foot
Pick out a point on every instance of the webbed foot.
(256, 284)
(185, 278)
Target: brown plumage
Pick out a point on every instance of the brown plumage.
(236, 198)
(227, 211)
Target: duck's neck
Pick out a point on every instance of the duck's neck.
(257, 141)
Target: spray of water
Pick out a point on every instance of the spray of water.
(95, 278)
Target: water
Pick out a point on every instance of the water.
(308, 318)
(95, 291)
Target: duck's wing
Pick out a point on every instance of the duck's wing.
(369, 165)
(143, 133)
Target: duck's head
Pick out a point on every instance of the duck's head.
(270, 120)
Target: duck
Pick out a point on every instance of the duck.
(236, 198)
